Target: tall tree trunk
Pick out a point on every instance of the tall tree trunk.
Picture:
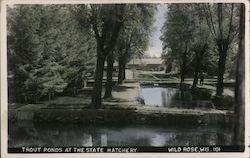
(182, 74)
(239, 125)
(168, 68)
(49, 95)
(197, 69)
(121, 71)
(223, 45)
(124, 71)
(97, 88)
(184, 62)
(106, 41)
(109, 82)
(221, 70)
(198, 56)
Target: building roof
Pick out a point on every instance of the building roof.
(146, 61)
(142, 61)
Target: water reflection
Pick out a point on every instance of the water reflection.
(157, 95)
(173, 97)
(75, 135)
(87, 140)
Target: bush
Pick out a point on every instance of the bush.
(223, 102)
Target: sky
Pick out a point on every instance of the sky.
(155, 46)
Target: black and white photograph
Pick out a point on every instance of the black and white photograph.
(125, 78)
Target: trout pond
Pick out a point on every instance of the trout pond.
(164, 96)
(24, 134)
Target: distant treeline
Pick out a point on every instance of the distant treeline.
(202, 38)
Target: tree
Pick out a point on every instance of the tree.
(177, 35)
(106, 21)
(239, 126)
(133, 39)
(135, 35)
(22, 57)
(199, 52)
(109, 81)
(200, 43)
(44, 51)
(220, 19)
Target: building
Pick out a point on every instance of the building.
(146, 64)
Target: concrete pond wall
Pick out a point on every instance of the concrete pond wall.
(121, 116)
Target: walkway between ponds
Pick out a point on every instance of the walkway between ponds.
(227, 91)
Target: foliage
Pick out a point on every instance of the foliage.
(192, 23)
(134, 36)
(44, 41)
(222, 22)
(178, 36)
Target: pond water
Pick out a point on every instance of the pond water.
(173, 97)
(129, 135)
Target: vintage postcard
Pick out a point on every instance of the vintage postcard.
(124, 78)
